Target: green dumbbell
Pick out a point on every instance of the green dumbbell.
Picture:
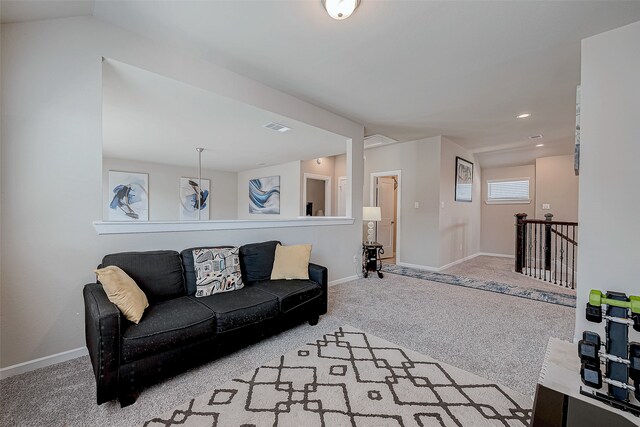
(597, 298)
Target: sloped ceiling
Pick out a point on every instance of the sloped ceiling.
(405, 69)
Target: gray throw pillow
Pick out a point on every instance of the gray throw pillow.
(217, 270)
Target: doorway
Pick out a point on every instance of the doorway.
(386, 193)
(317, 195)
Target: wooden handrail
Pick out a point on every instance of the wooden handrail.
(567, 238)
(544, 221)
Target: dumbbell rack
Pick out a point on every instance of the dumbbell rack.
(621, 358)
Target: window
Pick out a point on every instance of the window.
(508, 191)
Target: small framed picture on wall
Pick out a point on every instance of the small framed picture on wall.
(464, 180)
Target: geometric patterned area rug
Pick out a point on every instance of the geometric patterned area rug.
(550, 297)
(351, 378)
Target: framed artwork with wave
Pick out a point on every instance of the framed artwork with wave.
(264, 195)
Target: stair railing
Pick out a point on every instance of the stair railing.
(547, 249)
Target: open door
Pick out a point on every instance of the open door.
(386, 228)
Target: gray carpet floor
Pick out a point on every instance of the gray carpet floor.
(500, 269)
(499, 337)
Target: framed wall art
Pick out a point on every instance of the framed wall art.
(464, 180)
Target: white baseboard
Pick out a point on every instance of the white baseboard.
(42, 362)
(496, 255)
(343, 280)
(451, 264)
(437, 269)
(417, 266)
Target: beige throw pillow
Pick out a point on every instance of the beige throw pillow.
(123, 291)
(291, 262)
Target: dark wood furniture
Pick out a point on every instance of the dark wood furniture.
(371, 258)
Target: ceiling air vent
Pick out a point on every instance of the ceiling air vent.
(377, 140)
(535, 136)
(277, 126)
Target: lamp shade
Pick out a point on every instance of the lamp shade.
(371, 213)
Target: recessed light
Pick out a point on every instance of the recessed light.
(523, 115)
(535, 136)
(539, 145)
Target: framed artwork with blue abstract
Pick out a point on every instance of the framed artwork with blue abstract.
(193, 191)
(128, 196)
(264, 195)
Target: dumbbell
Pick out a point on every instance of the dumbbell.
(597, 298)
(588, 348)
(634, 366)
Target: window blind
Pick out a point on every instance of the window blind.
(508, 190)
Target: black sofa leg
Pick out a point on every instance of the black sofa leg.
(128, 398)
(314, 320)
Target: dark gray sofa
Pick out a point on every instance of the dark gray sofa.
(178, 330)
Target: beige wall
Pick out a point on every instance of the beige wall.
(52, 145)
(608, 255)
(419, 163)
(557, 185)
(290, 190)
(164, 193)
(326, 167)
(498, 231)
(317, 196)
(459, 221)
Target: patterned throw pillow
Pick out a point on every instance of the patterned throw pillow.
(217, 270)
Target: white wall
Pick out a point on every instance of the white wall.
(52, 147)
(289, 174)
(419, 162)
(164, 189)
(608, 255)
(459, 221)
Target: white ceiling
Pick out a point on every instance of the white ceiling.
(405, 69)
(153, 118)
(33, 10)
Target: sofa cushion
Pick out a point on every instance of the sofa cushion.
(189, 269)
(240, 308)
(291, 262)
(157, 273)
(290, 293)
(167, 325)
(123, 291)
(256, 260)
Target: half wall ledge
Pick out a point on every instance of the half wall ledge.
(122, 227)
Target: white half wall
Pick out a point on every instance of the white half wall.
(608, 256)
(52, 145)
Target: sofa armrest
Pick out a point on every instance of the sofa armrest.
(102, 332)
(319, 274)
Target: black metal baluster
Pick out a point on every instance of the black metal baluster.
(562, 255)
(555, 257)
(573, 258)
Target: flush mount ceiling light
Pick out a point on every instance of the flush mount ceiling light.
(539, 145)
(523, 115)
(340, 9)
